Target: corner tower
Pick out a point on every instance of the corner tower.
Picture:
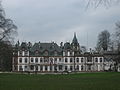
(75, 45)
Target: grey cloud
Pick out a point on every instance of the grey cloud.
(57, 20)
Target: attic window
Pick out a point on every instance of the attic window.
(55, 53)
(46, 53)
(40, 47)
(36, 52)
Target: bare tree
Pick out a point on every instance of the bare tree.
(83, 49)
(103, 41)
(97, 3)
(118, 35)
(7, 27)
(7, 32)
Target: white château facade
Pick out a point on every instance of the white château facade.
(49, 57)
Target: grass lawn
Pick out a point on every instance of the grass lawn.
(82, 81)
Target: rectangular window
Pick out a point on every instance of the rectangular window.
(41, 68)
(20, 53)
(71, 60)
(26, 53)
(31, 59)
(41, 60)
(20, 60)
(77, 60)
(71, 68)
(32, 67)
(81, 59)
(45, 68)
(65, 68)
(25, 60)
(96, 59)
(100, 59)
(60, 60)
(36, 60)
(66, 60)
(55, 59)
(60, 67)
(82, 68)
(50, 67)
(20, 68)
(77, 67)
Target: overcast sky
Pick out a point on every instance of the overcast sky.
(57, 20)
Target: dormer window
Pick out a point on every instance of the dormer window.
(36, 52)
(46, 53)
(41, 48)
(55, 53)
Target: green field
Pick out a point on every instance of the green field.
(82, 81)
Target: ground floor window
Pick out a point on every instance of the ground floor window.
(71, 68)
(36, 68)
(20, 68)
(82, 68)
(60, 67)
(65, 68)
(77, 67)
(41, 68)
(55, 67)
(26, 68)
(50, 67)
(45, 68)
(32, 67)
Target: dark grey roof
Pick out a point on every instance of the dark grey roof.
(41, 47)
(67, 46)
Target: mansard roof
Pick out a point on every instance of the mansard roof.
(41, 47)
